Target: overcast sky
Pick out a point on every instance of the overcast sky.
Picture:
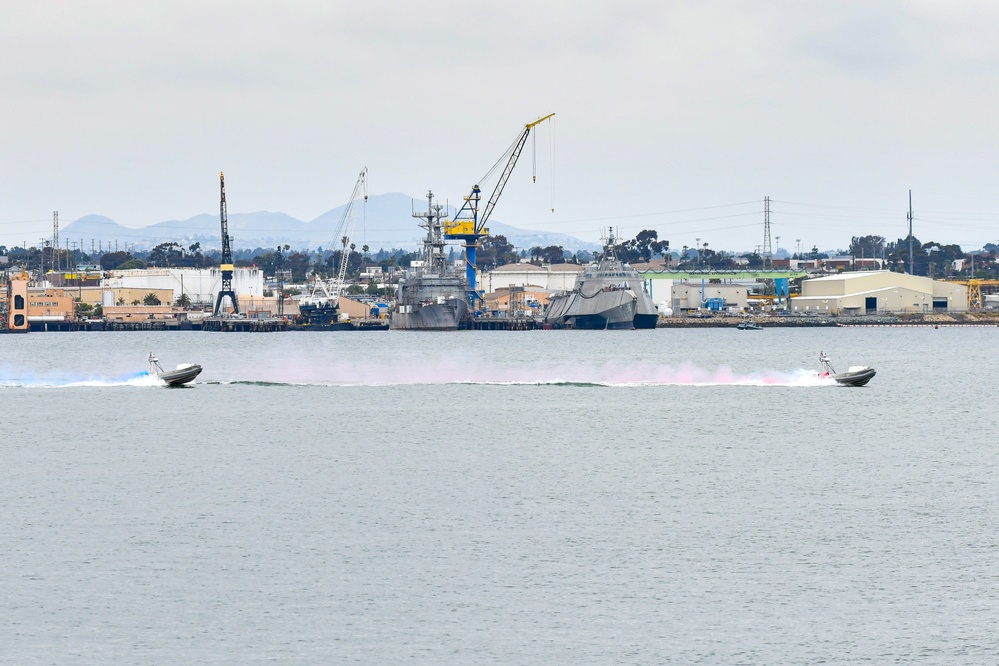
(674, 116)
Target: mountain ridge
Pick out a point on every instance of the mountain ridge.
(383, 222)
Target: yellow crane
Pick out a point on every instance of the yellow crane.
(975, 301)
(468, 225)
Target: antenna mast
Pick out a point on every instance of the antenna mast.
(768, 262)
(910, 233)
(227, 266)
(55, 240)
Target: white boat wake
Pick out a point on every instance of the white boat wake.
(344, 374)
(611, 375)
(142, 379)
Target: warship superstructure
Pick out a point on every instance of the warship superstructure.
(608, 294)
(431, 296)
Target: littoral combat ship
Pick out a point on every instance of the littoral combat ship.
(431, 297)
(607, 294)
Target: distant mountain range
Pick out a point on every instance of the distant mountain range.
(384, 222)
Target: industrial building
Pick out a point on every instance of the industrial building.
(876, 292)
(549, 277)
(711, 295)
(200, 285)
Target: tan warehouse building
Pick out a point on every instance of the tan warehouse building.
(874, 292)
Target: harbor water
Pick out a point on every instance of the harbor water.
(545, 497)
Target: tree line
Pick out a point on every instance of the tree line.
(928, 258)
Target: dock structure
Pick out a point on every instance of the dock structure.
(148, 325)
(500, 324)
(55, 325)
(239, 325)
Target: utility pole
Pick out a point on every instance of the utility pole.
(55, 240)
(768, 260)
(910, 234)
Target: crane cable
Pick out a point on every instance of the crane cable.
(504, 158)
(534, 158)
(551, 162)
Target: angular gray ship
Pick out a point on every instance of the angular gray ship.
(608, 294)
(431, 297)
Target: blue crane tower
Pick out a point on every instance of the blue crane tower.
(468, 225)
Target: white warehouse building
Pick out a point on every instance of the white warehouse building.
(871, 292)
(201, 285)
(549, 277)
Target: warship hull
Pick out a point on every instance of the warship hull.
(623, 310)
(431, 317)
(607, 295)
(431, 296)
(604, 310)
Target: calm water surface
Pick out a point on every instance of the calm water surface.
(669, 496)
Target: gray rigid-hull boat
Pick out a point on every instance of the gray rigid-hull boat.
(857, 375)
(183, 374)
(609, 294)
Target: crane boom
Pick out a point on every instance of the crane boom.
(347, 224)
(518, 147)
(321, 306)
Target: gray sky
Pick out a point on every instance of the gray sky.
(675, 116)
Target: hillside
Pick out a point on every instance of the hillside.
(384, 222)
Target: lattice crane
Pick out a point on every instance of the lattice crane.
(322, 303)
(227, 265)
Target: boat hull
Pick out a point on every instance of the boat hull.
(614, 310)
(181, 376)
(431, 317)
(854, 377)
(319, 315)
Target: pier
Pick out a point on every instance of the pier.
(234, 325)
(150, 325)
(500, 324)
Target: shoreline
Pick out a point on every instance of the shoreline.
(936, 320)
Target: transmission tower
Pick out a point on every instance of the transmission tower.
(55, 240)
(768, 260)
(226, 266)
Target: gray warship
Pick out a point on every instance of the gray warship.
(608, 294)
(431, 296)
